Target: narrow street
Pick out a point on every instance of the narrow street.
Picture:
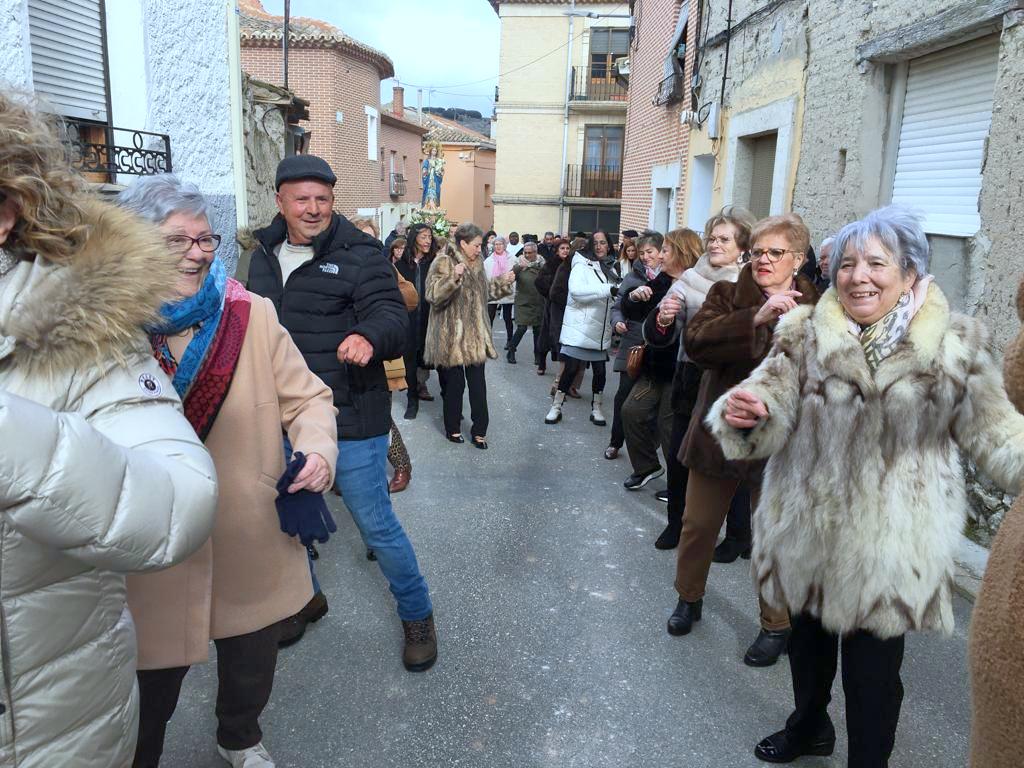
(551, 602)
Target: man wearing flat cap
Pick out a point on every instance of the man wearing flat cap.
(336, 293)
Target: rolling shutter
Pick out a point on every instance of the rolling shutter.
(67, 56)
(946, 119)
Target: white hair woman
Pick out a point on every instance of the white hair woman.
(500, 263)
(882, 386)
(243, 383)
(100, 474)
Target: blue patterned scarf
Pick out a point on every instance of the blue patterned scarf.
(204, 309)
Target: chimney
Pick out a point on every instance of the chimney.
(398, 102)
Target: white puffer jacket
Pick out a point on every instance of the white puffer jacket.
(100, 474)
(588, 309)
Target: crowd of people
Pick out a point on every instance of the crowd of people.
(178, 429)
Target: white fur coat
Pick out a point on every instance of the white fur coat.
(863, 499)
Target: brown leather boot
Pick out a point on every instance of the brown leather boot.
(401, 479)
(420, 651)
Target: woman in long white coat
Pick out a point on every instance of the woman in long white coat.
(100, 473)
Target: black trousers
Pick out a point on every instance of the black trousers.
(871, 683)
(573, 366)
(506, 315)
(453, 385)
(625, 387)
(518, 337)
(245, 677)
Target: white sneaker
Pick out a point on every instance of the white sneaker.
(253, 757)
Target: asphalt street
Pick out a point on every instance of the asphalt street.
(550, 601)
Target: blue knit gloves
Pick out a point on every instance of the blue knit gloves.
(303, 514)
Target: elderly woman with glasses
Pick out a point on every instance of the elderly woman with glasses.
(242, 382)
(879, 387)
(728, 338)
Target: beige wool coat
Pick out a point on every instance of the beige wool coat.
(100, 475)
(997, 625)
(459, 331)
(866, 540)
(249, 574)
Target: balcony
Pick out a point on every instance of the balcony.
(594, 181)
(396, 185)
(100, 151)
(587, 88)
(670, 90)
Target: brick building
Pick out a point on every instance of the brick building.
(340, 78)
(661, 61)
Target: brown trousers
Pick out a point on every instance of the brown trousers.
(707, 504)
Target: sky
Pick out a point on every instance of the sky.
(436, 44)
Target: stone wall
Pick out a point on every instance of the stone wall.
(265, 131)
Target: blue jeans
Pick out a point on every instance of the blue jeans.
(362, 480)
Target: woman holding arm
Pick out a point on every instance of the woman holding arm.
(586, 333)
(243, 382)
(100, 473)
(554, 305)
(884, 386)
(728, 338)
(459, 333)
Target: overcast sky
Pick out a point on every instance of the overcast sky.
(438, 44)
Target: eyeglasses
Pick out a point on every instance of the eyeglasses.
(723, 240)
(183, 243)
(773, 254)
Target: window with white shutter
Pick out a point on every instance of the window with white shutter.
(946, 118)
(68, 67)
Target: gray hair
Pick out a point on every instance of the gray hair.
(826, 243)
(467, 232)
(499, 238)
(157, 198)
(899, 231)
(529, 244)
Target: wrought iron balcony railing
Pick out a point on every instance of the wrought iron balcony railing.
(104, 149)
(670, 90)
(604, 181)
(602, 87)
(397, 187)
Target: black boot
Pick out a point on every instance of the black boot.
(783, 747)
(669, 538)
(682, 618)
(412, 408)
(730, 549)
(511, 356)
(767, 648)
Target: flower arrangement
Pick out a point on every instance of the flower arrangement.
(437, 219)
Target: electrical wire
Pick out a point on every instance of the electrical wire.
(516, 69)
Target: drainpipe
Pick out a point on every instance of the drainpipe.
(237, 132)
(565, 117)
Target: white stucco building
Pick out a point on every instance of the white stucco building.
(145, 86)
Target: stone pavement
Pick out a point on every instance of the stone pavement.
(551, 603)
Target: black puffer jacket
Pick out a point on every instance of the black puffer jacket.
(348, 288)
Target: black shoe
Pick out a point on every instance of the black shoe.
(669, 538)
(730, 549)
(412, 409)
(636, 482)
(662, 496)
(480, 442)
(511, 356)
(767, 648)
(781, 747)
(294, 627)
(455, 438)
(371, 555)
(682, 618)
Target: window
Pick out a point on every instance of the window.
(606, 45)
(589, 219)
(603, 145)
(947, 113)
(487, 195)
(381, 163)
(762, 174)
(372, 120)
(392, 168)
(69, 67)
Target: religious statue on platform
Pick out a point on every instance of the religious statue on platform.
(433, 175)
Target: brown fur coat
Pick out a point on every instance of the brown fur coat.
(459, 332)
(867, 540)
(997, 629)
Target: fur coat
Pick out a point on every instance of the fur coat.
(867, 540)
(459, 331)
(997, 632)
